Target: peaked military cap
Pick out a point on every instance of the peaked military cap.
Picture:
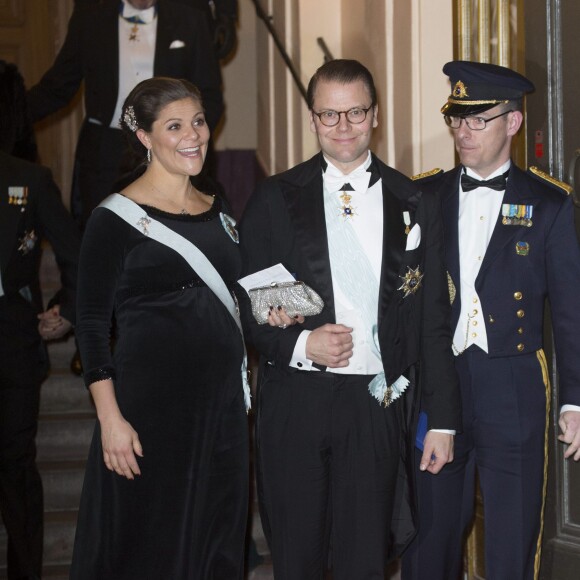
(478, 86)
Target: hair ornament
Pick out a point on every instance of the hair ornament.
(130, 119)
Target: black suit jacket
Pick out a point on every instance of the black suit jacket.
(44, 214)
(285, 222)
(91, 53)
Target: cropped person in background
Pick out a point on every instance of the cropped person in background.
(30, 210)
(112, 46)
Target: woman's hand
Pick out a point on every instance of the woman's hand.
(120, 444)
(120, 441)
(278, 317)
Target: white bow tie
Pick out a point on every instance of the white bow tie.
(146, 15)
(358, 180)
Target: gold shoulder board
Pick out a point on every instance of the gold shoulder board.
(435, 171)
(567, 189)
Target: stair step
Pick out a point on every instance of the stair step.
(62, 483)
(60, 353)
(64, 437)
(59, 535)
(64, 392)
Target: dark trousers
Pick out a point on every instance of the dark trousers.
(504, 435)
(102, 157)
(327, 457)
(21, 502)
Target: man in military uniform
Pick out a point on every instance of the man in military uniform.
(510, 244)
(30, 209)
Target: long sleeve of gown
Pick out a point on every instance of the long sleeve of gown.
(100, 267)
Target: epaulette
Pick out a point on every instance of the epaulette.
(545, 177)
(427, 174)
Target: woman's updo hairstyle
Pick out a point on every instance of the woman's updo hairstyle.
(144, 103)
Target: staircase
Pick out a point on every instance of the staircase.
(64, 432)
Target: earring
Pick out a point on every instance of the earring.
(148, 155)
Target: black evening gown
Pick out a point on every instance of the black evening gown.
(176, 370)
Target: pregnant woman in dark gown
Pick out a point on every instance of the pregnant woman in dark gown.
(166, 487)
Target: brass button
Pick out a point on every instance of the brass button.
(520, 347)
(518, 295)
(474, 323)
(474, 312)
(520, 313)
(474, 334)
(520, 330)
(491, 319)
(475, 300)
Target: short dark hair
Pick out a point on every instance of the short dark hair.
(344, 71)
(148, 98)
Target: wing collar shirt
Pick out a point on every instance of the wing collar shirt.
(136, 52)
(367, 223)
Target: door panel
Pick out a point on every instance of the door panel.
(552, 63)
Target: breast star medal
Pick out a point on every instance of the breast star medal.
(27, 242)
(347, 211)
(411, 281)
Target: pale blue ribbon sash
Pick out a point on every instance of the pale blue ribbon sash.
(354, 274)
(137, 217)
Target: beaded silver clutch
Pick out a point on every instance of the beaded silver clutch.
(295, 297)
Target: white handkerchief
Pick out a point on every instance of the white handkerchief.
(177, 44)
(413, 238)
(266, 277)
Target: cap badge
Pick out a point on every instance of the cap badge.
(460, 90)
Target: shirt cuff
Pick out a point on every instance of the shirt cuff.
(447, 431)
(569, 408)
(299, 360)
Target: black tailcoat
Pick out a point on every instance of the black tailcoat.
(284, 222)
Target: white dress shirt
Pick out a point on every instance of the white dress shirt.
(135, 56)
(368, 227)
(478, 212)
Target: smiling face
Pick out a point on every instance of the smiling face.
(487, 150)
(179, 137)
(345, 144)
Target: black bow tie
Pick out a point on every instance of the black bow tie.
(497, 183)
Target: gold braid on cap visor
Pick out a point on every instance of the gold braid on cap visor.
(451, 101)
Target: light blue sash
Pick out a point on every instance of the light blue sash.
(353, 272)
(137, 217)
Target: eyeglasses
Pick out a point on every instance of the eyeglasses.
(474, 123)
(355, 116)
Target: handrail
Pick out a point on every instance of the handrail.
(268, 22)
(325, 50)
